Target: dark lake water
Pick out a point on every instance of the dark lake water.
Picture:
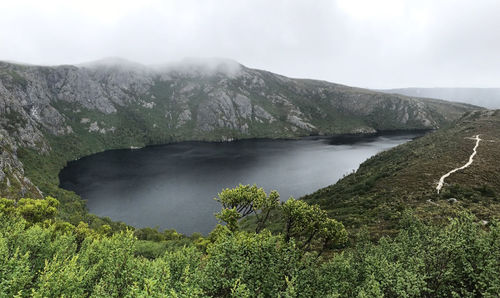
(173, 186)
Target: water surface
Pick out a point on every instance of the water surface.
(173, 186)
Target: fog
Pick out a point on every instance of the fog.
(365, 43)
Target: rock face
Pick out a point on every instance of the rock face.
(127, 104)
(13, 183)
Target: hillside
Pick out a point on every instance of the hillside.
(52, 114)
(484, 97)
(407, 176)
(54, 247)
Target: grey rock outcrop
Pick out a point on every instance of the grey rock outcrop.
(216, 100)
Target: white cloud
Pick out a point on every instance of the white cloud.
(368, 43)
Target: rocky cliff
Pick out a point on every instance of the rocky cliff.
(116, 104)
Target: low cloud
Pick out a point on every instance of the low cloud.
(375, 44)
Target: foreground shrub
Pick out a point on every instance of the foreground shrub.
(52, 259)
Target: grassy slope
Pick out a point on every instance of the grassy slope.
(406, 177)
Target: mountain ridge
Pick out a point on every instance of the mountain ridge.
(52, 114)
(485, 97)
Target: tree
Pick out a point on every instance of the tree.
(38, 210)
(309, 223)
(245, 200)
(245, 262)
(33, 210)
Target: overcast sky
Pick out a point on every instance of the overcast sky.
(366, 43)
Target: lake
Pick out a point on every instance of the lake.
(173, 186)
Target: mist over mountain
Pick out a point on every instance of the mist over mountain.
(484, 97)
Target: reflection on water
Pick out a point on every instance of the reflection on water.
(173, 186)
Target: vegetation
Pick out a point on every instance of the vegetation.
(300, 248)
(406, 176)
(41, 256)
(308, 225)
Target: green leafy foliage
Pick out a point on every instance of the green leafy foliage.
(244, 200)
(309, 223)
(32, 210)
(460, 259)
(258, 263)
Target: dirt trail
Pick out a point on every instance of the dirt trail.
(471, 159)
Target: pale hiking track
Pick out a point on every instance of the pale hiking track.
(471, 159)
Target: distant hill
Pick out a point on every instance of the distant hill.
(406, 177)
(484, 97)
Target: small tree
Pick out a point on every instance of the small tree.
(309, 223)
(32, 210)
(38, 210)
(245, 200)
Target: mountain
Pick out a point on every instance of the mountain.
(52, 114)
(49, 247)
(484, 97)
(406, 177)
